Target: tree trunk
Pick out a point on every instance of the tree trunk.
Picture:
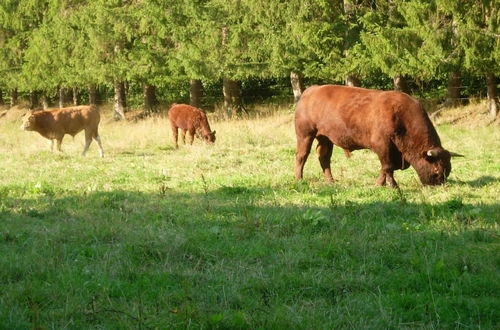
(119, 102)
(353, 81)
(492, 95)
(61, 97)
(1, 98)
(150, 102)
(13, 97)
(45, 101)
(92, 94)
(75, 96)
(124, 93)
(400, 83)
(297, 85)
(195, 92)
(33, 100)
(453, 97)
(233, 103)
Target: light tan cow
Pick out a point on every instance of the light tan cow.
(54, 124)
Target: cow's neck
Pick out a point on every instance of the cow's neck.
(43, 126)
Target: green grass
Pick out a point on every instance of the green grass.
(222, 236)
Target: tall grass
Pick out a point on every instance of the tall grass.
(222, 236)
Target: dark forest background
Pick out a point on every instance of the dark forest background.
(148, 53)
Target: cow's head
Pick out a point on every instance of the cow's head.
(435, 166)
(210, 137)
(28, 121)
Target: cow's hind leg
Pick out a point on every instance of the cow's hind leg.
(97, 138)
(183, 135)
(324, 150)
(88, 140)
(304, 144)
(58, 143)
(175, 134)
(192, 133)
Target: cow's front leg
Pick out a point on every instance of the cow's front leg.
(51, 144)
(386, 168)
(58, 143)
(386, 175)
(176, 136)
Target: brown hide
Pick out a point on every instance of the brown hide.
(192, 120)
(392, 124)
(54, 124)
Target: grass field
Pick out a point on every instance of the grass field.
(222, 236)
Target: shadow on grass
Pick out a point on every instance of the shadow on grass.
(481, 182)
(230, 204)
(234, 256)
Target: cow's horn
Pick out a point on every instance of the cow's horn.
(454, 154)
(432, 153)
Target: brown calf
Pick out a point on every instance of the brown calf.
(192, 120)
(54, 124)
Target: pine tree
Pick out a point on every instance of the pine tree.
(478, 28)
(18, 18)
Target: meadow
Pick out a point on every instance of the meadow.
(222, 236)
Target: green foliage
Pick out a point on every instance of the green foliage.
(46, 44)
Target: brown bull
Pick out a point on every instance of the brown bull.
(54, 124)
(392, 124)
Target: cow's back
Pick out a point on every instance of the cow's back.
(69, 120)
(184, 116)
(352, 118)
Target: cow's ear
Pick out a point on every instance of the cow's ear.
(213, 132)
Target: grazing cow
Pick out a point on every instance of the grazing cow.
(192, 120)
(54, 124)
(392, 124)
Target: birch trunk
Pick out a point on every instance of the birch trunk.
(400, 83)
(45, 101)
(352, 81)
(75, 96)
(61, 97)
(297, 85)
(119, 102)
(492, 95)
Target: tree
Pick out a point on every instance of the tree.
(109, 32)
(478, 25)
(299, 39)
(18, 19)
